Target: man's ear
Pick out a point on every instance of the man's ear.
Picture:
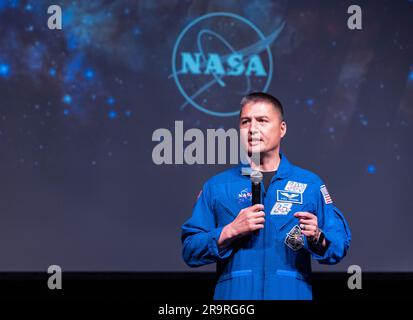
(283, 128)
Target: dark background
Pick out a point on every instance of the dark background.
(78, 108)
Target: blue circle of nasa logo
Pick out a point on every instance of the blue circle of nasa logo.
(220, 57)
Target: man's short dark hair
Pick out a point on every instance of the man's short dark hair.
(263, 97)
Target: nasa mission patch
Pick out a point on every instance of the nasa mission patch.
(295, 186)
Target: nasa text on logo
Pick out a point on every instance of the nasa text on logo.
(220, 57)
(244, 195)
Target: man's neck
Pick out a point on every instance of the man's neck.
(268, 161)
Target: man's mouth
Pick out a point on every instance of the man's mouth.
(254, 141)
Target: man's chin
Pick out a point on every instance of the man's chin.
(255, 150)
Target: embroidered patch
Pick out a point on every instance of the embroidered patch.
(295, 186)
(326, 195)
(288, 196)
(244, 195)
(294, 239)
(281, 208)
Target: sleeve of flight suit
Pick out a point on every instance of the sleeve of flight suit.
(335, 227)
(200, 234)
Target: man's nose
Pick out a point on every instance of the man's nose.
(253, 127)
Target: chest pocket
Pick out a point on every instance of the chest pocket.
(282, 216)
(226, 212)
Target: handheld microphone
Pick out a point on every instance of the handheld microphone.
(256, 178)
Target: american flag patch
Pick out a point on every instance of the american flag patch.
(326, 195)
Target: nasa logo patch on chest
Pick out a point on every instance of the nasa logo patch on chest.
(244, 195)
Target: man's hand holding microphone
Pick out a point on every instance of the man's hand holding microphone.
(248, 219)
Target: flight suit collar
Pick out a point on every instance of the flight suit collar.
(284, 169)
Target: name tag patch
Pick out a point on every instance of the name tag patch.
(281, 208)
(289, 196)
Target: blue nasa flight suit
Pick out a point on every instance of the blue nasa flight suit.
(261, 265)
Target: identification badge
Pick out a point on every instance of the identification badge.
(295, 239)
(289, 196)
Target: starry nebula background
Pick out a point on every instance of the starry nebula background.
(78, 107)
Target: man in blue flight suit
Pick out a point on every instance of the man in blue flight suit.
(264, 251)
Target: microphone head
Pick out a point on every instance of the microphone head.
(256, 176)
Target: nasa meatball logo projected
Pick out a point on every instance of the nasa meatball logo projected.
(218, 58)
